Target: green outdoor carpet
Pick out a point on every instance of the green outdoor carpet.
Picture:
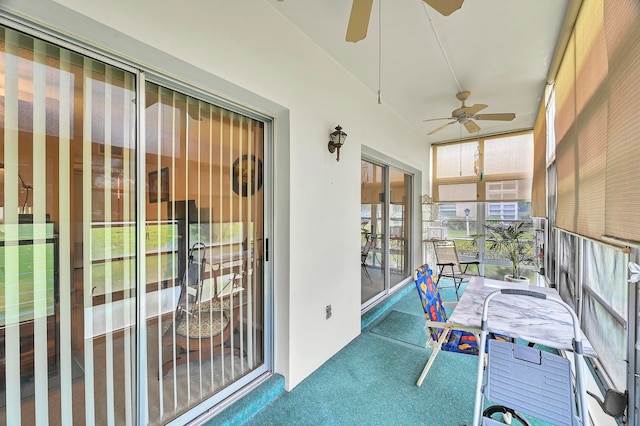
(372, 381)
(404, 327)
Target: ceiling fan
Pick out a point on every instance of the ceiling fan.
(465, 115)
(361, 12)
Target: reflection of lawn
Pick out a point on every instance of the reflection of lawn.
(121, 239)
(457, 233)
(29, 272)
(123, 273)
(118, 239)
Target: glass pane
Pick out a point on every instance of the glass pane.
(551, 245)
(457, 222)
(605, 306)
(204, 244)
(606, 274)
(509, 211)
(67, 240)
(507, 257)
(498, 272)
(372, 226)
(567, 271)
(609, 339)
(399, 225)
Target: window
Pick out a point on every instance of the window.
(502, 211)
(492, 168)
(463, 222)
(598, 291)
(447, 210)
(478, 181)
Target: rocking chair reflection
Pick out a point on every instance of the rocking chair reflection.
(200, 328)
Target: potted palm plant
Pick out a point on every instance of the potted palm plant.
(508, 241)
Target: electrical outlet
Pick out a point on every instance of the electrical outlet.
(328, 309)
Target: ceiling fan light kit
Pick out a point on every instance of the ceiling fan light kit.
(465, 115)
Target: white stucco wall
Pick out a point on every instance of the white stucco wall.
(252, 55)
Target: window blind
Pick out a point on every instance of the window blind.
(597, 153)
(591, 118)
(622, 194)
(538, 188)
(484, 169)
(566, 140)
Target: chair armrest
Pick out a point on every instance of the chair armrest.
(452, 304)
(452, 326)
(471, 262)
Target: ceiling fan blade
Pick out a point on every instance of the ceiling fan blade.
(476, 108)
(359, 20)
(441, 127)
(471, 127)
(438, 119)
(445, 7)
(508, 116)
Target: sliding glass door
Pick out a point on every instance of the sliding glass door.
(131, 270)
(204, 244)
(385, 218)
(372, 223)
(67, 246)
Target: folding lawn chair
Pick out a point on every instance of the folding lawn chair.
(443, 334)
(450, 266)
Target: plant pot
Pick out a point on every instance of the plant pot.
(521, 280)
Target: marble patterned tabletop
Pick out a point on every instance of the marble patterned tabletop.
(528, 318)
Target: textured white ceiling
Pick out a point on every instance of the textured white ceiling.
(500, 50)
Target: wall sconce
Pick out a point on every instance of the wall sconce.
(337, 140)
